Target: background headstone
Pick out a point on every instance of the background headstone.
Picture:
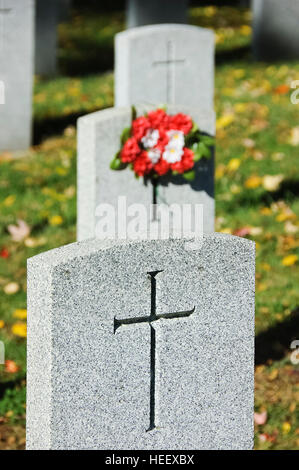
(46, 21)
(275, 29)
(16, 72)
(144, 12)
(97, 379)
(166, 63)
(99, 140)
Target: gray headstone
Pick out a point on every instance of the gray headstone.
(275, 29)
(16, 72)
(143, 12)
(121, 356)
(47, 18)
(166, 63)
(99, 140)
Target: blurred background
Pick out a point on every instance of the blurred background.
(257, 185)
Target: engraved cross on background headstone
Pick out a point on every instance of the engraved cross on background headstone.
(170, 63)
(4, 11)
(152, 318)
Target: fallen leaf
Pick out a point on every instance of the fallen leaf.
(2, 324)
(4, 253)
(11, 288)
(11, 367)
(56, 220)
(242, 232)
(253, 182)
(260, 418)
(290, 228)
(281, 89)
(286, 427)
(289, 260)
(248, 143)
(273, 375)
(272, 182)
(233, 164)
(20, 313)
(225, 121)
(9, 200)
(294, 139)
(19, 329)
(20, 231)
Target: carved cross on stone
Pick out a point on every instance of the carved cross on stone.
(151, 319)
(170, 62)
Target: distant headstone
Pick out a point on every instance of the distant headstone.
(99, 140)
(275, 29)
(166, 63)
(47, 18)
(141, 345)
(16, 73)
(144, 12)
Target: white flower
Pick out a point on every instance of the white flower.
(154, 155)
(176, 139)
(150, 139)
(172, 154)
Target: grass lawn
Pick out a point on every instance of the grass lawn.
(257, 196)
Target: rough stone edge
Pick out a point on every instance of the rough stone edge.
(39, 343)
(82, 248)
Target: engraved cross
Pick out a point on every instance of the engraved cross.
(151, 319)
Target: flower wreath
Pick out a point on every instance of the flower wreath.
(159, 143)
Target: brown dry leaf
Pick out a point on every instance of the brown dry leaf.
(20, 231)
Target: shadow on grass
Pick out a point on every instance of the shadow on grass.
(233, 55)
(51, 126)
(9, 385)
(275, 342)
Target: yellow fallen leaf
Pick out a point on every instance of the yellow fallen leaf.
(238, 73)
(294, 139)
(289, 260)
(272, 183)
(2, 324)
(286, 427)
(19, 329)
(225, 120)
(253, 182)
(226, 230)
(266, 267)
(20, 313)
(273, 374)
(56, 220)
(245, 30)
(233, 164)
(265, 211)
(220, 170)
(11, 288)
(9, 200)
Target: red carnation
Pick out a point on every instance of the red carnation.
(186, 163)
(142, 165)
(163, 139)
(159, 119)
(181, 122)
(162, 167)
(130, 150)
(140, 126)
